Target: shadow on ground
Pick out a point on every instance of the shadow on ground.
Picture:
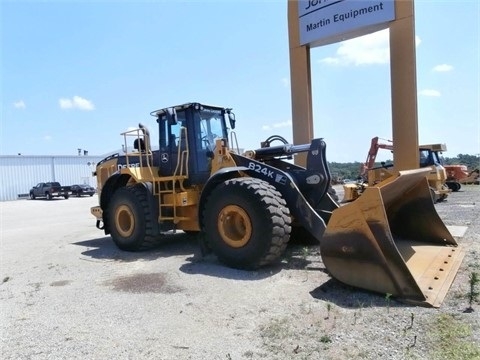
(169, 245)
(349, 297)
(209, 265)
(296, 257)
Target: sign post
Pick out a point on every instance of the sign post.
(314, 23)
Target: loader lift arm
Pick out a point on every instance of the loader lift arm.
(304, 189)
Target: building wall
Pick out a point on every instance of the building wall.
(20, 173)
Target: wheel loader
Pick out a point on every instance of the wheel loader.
(246, 205)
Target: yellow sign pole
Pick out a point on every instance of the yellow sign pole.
(301, 84)
(403, 85)
(403, 76)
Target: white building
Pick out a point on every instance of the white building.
(20, 173)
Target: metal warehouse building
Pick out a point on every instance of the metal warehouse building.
(20, 173)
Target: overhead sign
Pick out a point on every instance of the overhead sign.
(327, 21)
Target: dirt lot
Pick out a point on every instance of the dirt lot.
(68, 293)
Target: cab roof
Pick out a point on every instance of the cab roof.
(197, 105)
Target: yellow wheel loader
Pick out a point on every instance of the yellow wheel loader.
(248, 205)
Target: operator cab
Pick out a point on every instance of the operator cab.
(187, 136)
(429, 157)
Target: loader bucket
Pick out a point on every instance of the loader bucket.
(391, 240)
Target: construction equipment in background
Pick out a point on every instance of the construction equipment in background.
(456, 175)
(371, 174)
(431, 156)
(461, 175)
(246, 206)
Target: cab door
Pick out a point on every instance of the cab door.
(172, 144)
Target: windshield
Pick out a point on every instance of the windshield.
(428, 157)
(211, 127)
(424, 160)
(439, 158)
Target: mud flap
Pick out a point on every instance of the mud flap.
(391, 240)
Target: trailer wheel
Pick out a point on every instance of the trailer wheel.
(455, 186)
(130, 218)
(246, 223)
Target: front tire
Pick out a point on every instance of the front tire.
(32, 196)
(247, 223)
(130, 218)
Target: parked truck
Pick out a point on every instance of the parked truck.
(49, 190)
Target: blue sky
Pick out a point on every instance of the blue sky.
(75, 74)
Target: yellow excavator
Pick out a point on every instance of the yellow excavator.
(247, 205)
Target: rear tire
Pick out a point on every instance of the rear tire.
(130, 218)
(49, 196)
(32, 196)
(246, 223)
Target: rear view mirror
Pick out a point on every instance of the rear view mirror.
(171, 116)
(231, 118)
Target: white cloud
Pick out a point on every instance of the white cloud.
(430, 92)
(369, 49)
(364, 50)
(418, 41)
(76, 102)
(277, 125)
(330, 61)
(19, 104)
(282, 124)
(443, 68)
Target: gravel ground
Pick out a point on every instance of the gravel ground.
(68, 293)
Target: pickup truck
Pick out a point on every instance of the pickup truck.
(49, 190)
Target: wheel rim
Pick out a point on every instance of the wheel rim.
(124, 220)
(234, 226)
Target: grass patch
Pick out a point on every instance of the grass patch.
(275, 330)
(453, 339)
(287, 338)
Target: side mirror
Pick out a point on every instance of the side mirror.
(171, 116)
(231, 118)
